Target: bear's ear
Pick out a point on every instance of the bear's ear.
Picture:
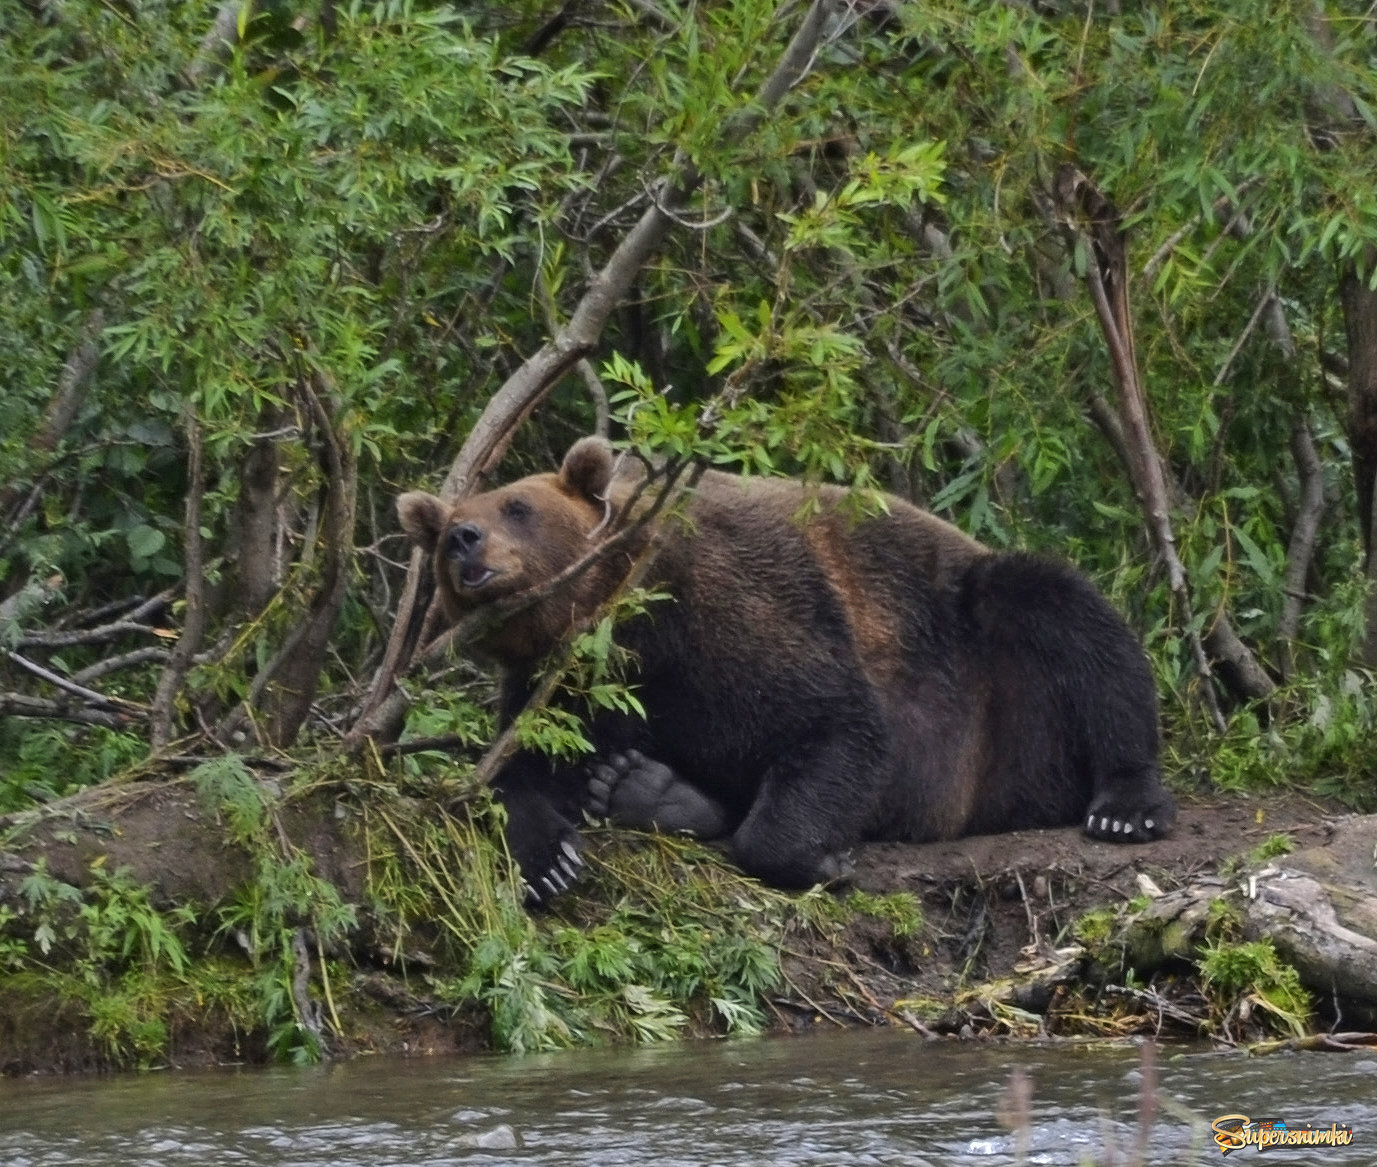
(423, 517)
(587, 468)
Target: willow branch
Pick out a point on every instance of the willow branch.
(528, 386)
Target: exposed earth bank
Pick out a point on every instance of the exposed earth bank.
(1029, 933)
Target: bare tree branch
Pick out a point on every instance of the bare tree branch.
(131, 624)
(67, 686)
(20, 705)
(113, 664)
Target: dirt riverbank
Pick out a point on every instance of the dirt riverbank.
(997, 950)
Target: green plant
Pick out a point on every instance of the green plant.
(902, 911)
(42, 763)
(1250, 978)
(106, 948)
(1272, 847)
(1095, 928)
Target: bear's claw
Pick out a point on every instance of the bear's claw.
(1114, 821)
(559, 877)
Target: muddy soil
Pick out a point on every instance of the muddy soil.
(994, 908)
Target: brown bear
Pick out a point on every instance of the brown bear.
(815, 678)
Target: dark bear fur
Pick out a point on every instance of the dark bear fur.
(813, 682)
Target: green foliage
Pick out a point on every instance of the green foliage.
(666, 937)
(39, 764)
(227, 786)
(109, 927)
(271, 916)
(1253, 976)
(106, 947)
(1273, 847)
(901, 910)
(343, 230)
(336, 239)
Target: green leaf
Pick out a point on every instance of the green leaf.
(144, 541)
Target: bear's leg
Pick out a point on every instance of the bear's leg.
(808, 814)
(638, 792)
(1073, 701)
(541, 833)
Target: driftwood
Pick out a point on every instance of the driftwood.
(1318, 907)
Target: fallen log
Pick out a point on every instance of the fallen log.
(1318, 908)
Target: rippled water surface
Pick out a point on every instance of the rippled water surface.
(882, 1097)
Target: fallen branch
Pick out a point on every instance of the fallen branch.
(21, 705)
(132, 624)
(124, 660)
(90, 696)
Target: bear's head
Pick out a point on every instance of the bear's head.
(493, 545)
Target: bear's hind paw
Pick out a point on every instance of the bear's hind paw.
(635, 791)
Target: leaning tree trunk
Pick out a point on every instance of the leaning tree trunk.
(1093, 222)
(385, 705)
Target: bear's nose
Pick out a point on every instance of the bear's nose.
(463, 540)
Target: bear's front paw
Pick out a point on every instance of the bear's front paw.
(554, 873)
(1130, 816)
(634, 791)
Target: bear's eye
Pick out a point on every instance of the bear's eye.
(516, 508)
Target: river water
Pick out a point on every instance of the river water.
(877, 1097)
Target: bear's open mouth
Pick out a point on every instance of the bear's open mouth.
(475, 575)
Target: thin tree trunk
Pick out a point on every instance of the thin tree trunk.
(163, 718)
(280, 698)
(255, 519)
(294, 687)
(1093, 223)
(1360, 325)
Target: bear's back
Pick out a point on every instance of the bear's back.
(781, 566)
